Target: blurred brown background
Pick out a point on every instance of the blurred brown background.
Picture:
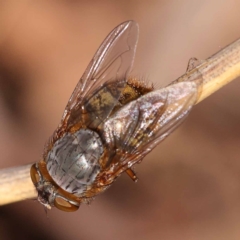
(189, 186)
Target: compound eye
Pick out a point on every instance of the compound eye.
(34, 174)
(65, 204)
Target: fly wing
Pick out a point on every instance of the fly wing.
(100, 87)
(142, 124)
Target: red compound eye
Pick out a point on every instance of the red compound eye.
(65, 204)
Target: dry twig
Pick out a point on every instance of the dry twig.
(216, 71)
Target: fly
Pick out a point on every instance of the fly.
(110, 123)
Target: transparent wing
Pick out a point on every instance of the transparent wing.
(100, 87)
(105, 76)
(142, 124)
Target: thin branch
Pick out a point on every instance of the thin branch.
(16, 184)
(217, 71)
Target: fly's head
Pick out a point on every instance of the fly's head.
(49, 195)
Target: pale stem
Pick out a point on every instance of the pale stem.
(217, 71)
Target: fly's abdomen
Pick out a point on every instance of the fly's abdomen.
(73, 161)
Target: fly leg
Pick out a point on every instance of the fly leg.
(132, 174)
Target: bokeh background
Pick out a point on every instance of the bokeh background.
(189, 186)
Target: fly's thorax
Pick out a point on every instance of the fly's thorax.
(73, 161)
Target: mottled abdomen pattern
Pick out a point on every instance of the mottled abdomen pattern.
(73, 161)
